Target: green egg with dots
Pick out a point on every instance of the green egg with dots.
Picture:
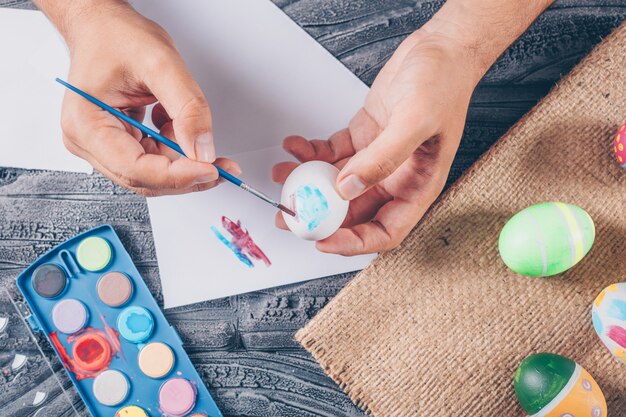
(546, 239)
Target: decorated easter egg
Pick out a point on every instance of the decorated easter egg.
(609, 319)
(619, 146)
(310, 192)
(549, 385)
(546, 239)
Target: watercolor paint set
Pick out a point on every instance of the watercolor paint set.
(120, 352)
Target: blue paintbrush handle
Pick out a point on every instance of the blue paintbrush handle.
(145, 129)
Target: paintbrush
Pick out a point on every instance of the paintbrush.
(170, 143)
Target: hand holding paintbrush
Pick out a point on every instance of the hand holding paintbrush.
(173, 145)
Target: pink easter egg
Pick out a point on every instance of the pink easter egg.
(619, 146)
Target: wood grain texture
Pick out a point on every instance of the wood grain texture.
(243, 346)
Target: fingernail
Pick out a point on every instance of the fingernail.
(202, 179)
(205, 151)
(351, 187)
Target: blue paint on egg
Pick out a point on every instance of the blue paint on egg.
(617, 310)
(597, 323)
(311, 206)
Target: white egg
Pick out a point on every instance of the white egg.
(310, 192)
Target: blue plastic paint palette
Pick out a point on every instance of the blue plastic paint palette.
(120, 352)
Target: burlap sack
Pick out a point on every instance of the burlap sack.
(438, 326)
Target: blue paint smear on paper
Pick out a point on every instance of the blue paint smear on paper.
(243, 258)
(311, 205)
(617, 310)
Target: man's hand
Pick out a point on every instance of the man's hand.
(129, 62)
(397, 151)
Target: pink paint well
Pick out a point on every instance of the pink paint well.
(177, 397)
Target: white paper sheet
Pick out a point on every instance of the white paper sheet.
(32, 54)
(265, 78)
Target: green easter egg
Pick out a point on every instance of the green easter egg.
(546, 239)
(540, 378)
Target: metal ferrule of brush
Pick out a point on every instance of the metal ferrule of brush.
(259, 194)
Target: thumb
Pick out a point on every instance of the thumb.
(184, 102)
(381, 158)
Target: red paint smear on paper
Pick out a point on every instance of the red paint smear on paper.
(242, 243)
(618, 335)
(89, 352)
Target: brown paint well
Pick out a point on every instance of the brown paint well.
(114, 289)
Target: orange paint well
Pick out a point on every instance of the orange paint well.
(92, 350)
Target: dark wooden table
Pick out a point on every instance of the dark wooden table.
(243, 346)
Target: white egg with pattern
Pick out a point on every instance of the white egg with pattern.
(311, 193)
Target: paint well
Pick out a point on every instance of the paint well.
(69, 315)
(131, 411)
(114, 289)
(77, 367)
(49, 280)
(93, 253)
(91, 352)
(135, 324)
(156, 359)
(111, 387)
(177, 397)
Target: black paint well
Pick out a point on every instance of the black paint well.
(49, 280)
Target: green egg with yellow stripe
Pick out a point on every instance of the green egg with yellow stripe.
(546, 239)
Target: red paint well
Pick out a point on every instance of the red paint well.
(89, 350)
(92, 350)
